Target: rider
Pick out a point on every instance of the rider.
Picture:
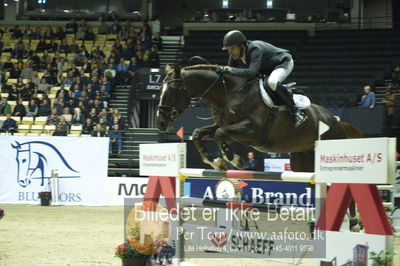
(248, 58)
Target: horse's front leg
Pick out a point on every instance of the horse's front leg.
(199, 135)
(225, 135)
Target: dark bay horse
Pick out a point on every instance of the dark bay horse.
(240, 115)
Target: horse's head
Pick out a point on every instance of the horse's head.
(174, 99)
(23, 161)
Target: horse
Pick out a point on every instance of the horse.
(35, 160)
(240, 115)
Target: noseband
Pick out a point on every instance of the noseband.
(171, 111)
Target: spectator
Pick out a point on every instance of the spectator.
(251, 163)
(44, 108)
(70, 105)
(158, 41)
(127, 28)
(96, 105)
(93, 115)
(19, 109)
(104, 96)
(98, 131)
(116, 138)
(69, 79)
(122, 70)
(73, 47)
(35, 78)
(198, 16)
(28, 33)
(41, 46)
(15, 72)
(86, 66)
(60, 34)
(9, 125)
(153, 58)
(58, 105)
(116, 28)
(48, 33)
(62, 65)
(80, 34)
(368, 99)
(146, 30)
(119, 122)
(113, 16)
(259, 16)
(90, 36)
(87, 127)
(132, 70)
(64, 47)
(104, 29)
(27, 91)
(33, 108)
(71, 27)
(37, 34)
(102, 123)
(5, 108)
(61, 127)
(67, 115)
(390, 102)
(43, 87)
(77, 118)
(27, 72)
(62, 91)
(241, 17)
(103, 115)
(13, 93)
(110, 70)
(53, 117)
(139, 58)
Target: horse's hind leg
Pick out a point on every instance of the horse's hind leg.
(302, 161)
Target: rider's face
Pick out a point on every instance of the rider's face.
(234, 51)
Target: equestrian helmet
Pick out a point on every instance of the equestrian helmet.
(232, 38)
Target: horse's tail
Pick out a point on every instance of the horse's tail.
(352, 132)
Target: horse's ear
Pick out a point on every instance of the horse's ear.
(167, 68)
(177, 70)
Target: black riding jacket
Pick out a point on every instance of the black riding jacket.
(261, 57)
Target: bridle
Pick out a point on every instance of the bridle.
(171, 111)
(168, 110)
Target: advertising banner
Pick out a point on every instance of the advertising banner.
(26, 164)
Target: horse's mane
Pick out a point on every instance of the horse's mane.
(200, 67)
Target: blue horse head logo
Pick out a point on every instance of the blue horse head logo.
(36, 159)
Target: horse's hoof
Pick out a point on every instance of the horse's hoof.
(220, 165)
(355, 225)
(238, 162)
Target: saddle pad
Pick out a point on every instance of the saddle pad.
(301, 101)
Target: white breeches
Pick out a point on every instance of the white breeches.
(279, 75)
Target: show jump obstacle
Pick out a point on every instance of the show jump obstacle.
(352, 168)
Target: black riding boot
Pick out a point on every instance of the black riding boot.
(287, 97)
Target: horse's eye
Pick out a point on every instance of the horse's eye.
(24, 160)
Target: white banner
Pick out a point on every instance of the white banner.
(162, 159)
(276, 165)
(26, 164)
(370, 161)
(120, 188)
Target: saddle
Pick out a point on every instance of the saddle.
(272, 100)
